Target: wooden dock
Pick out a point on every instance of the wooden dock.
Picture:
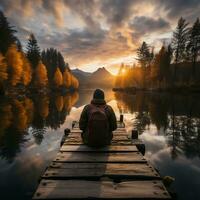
(118, 171)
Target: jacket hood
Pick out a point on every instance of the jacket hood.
(98, 94)
(98, 102)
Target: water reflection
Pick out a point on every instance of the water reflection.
(30, 114)
(31, 129)
(170, 128)
(175, 116)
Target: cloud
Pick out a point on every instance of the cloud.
(84, 45)
(176, 9)
(97, 32)
(56, 8)
(143, 25)
(117, 12)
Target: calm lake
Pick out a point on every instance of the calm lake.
(31, 129)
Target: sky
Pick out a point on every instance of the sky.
(98, 33)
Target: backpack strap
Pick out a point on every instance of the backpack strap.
(100, 106)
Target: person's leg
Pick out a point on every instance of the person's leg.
(110, 138)
(84, 138)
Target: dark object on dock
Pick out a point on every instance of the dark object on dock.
(118, 171)
(134, 134)
(67, 131)
(121, 118)
(139, 145)
(141, 148)
(73, 124)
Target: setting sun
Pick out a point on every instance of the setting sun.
(123, 71)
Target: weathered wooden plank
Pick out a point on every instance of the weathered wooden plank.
(115, 137)
(92, 157)
(121, 129)
(81, 189)
(96, 170)
(112, 142)
(84, 148)
(119, 124)
(117, 132)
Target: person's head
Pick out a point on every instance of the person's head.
(98, 94)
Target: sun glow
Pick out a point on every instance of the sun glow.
(123, 71)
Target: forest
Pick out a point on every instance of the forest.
(175, 66)
(29, 68)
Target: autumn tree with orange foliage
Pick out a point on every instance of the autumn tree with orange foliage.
(59, 102)
(67, 80)
(6, 116)
(41, 79)
(15, 65)
(75, 83)
(27, 71)
(3, 71)
(20, 120)
(58, 78)
(43, 106)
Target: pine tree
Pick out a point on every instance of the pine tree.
(179, 40)
(144, 58)
(194, 43)
(169, 55)
(143, 55)
(53, 58)
(161, 65)
(33, 51)
(61, 62)
(7, 37)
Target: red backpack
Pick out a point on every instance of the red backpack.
(98, 126)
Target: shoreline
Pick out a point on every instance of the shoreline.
(133, 90)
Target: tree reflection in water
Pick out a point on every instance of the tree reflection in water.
(178, 116)
(30, 115)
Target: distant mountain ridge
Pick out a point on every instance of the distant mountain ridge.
(100, 78)
(80, 72)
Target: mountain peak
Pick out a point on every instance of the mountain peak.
(102, 70)
(100, 78)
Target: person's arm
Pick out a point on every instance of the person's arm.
(83, 119)
(112, 119)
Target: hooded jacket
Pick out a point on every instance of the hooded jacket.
(83, 122)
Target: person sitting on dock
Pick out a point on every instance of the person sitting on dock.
(97, 121)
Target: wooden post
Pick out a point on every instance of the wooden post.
(67, 131)
(141, 148)
(121, 118)
(73, 124)
(134, 134)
